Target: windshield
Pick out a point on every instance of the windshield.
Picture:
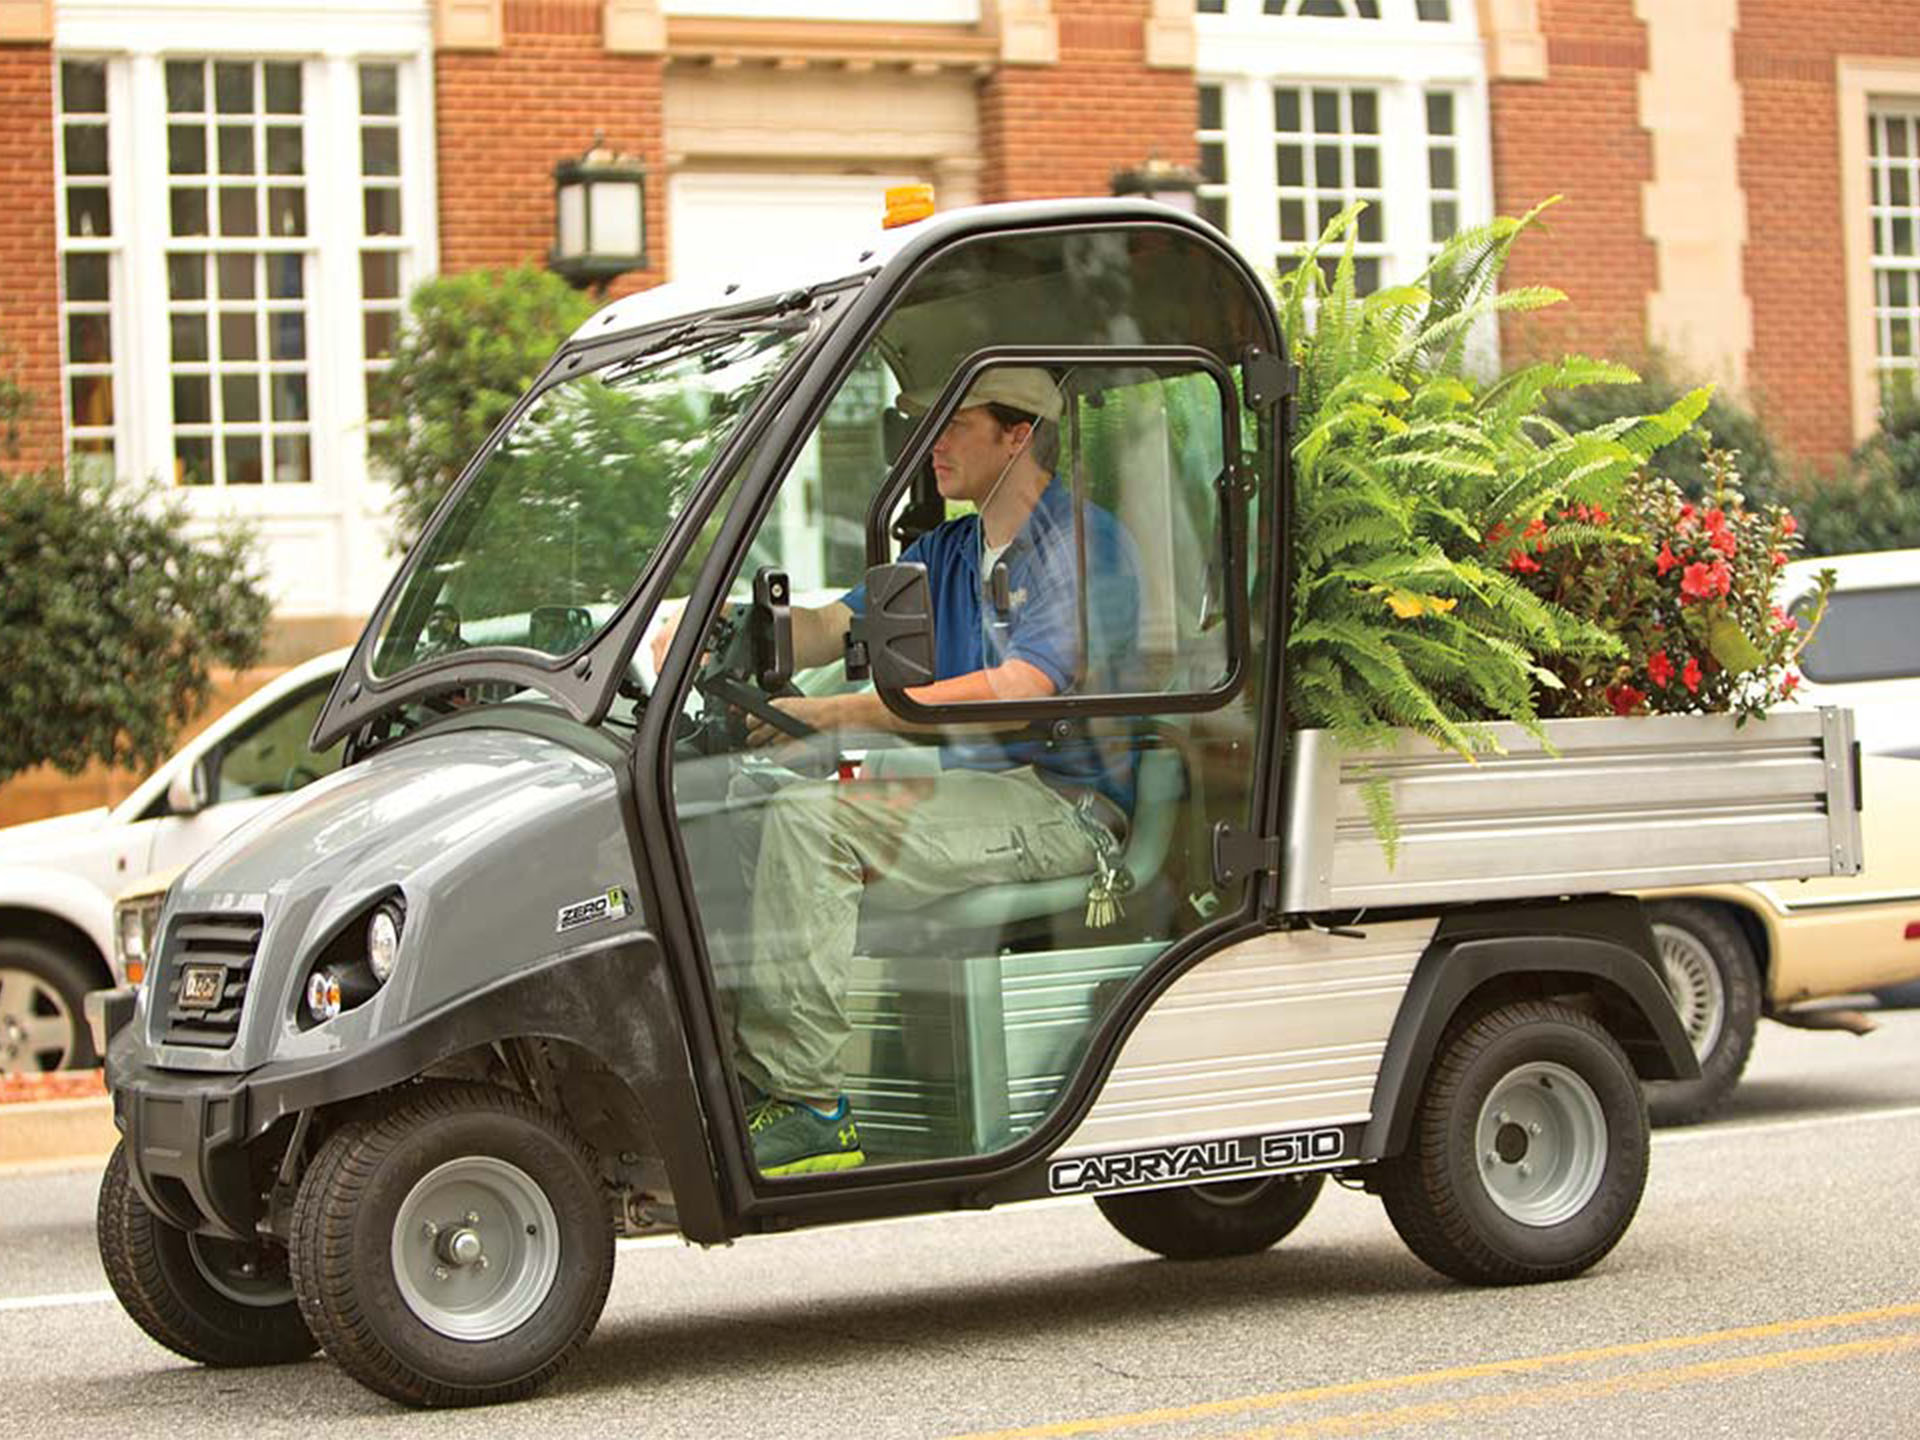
(565, 513)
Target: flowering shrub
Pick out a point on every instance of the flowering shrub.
(1687, 587)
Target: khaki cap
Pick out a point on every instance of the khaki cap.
(1019, 387)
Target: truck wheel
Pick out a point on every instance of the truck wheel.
(1211, 1222)
(1528, 1152)
(215, 1301)
(43, 1019)
(1715, 983)
(454, 1248)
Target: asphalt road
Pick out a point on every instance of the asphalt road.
(1770, 1287)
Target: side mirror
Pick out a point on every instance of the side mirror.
(893, 641)
(189, 792)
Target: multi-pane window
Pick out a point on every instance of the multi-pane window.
(1310, 107)
(1893, 155)
(1436, 11)
(383, 248)
(1443, 166)
(1213, 156)
(1327, 156)
(237, 260)
(88, 258)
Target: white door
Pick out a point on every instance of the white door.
(742, 224)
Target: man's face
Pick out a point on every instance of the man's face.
(973, 452)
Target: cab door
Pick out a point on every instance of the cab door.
(939, 916)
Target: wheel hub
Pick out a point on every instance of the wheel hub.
(476, 1248)
(1694, 981)
(1542, 1142)
(36, 1026)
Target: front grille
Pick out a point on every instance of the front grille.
(227, 942)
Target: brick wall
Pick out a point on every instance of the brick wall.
(1784, 55)
(29, 261)
(505, 118)
(1578, 135)
(1064, 129)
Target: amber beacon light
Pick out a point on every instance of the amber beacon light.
(906, 204)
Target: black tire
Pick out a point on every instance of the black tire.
(1710, 970)
(1463, 1195)
(189, 1292)
(1213, 1222)
(533, 1311)
(43, 1018)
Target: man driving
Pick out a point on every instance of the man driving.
(1005, 582)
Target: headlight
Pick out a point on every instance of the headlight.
(134, 924)
(383, 942)
(324, 1000)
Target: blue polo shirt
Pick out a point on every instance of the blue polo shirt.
(1041, 626)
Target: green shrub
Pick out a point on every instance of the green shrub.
(1874, 502)
(111, 620)
(472, 344)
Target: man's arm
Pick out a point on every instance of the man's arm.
(865, 710)
(820, 635)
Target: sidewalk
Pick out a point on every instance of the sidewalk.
(61, 1121)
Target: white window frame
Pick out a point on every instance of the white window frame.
(331, 39)
(891, 12)
(1862, 84)
(1247, 52)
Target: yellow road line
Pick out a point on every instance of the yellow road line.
(1439, 1412)
(1275, 1400)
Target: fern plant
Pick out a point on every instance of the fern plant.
(1405, 463)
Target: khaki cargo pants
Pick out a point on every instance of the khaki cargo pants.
(823, 845)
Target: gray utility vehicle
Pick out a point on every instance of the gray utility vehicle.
(421, 1041)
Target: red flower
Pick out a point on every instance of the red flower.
(1624, 698)
(1779, 558)
(1496, 535)
(1686, 517)
(1660, 669)
(1522, 563)
(1723, 541)
(1690, 677)
(1665, 560)
(1537, 532)
(1600, 517)
(1705, 581)
(1789, 684)
(1789, 525)
(1716, 521)
(1782, 621)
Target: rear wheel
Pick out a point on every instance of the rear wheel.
(1714, 980)
(1528, 1152)
(453, 1249)
(1211, 1222)
(220, 1302)
(43, 1021)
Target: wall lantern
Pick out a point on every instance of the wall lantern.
(600, 216)
(1162, 180)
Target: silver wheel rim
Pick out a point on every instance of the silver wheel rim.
(36, 1024)
(476, 1248)
(1694, 981)
(1541, 1143)
(223, 1264)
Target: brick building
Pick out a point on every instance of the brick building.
(217, 207)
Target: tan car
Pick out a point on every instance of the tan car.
(1735, 953)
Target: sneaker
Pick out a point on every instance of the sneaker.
(794, 1139)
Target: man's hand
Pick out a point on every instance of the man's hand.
(822, 712)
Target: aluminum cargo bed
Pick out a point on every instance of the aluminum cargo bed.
(1626, 804)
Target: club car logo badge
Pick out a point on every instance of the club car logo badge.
(613, 905)
(200, 986)
(1203, 1160)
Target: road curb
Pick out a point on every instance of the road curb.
(56, 1134)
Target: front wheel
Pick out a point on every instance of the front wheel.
(453, 1249)
(1212, 1222)
(219, 1302)
(1528, 1152)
